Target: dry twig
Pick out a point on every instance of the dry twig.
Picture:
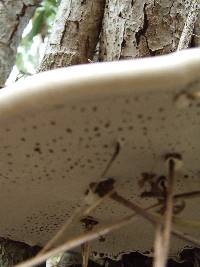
(151, 217)
(163, 232)
(85, 254)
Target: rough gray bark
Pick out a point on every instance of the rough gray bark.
(12, 252)
(141, 28)
(189, 26)
(75, 33)
(14, 16)
(196, 39)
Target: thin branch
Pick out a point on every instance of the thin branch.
(186, 237)
(113, 158)
(163, 232)
(187, 195)
(158, 247)
(154, 219)
(134, 207)
(169, 206)
(85, 254)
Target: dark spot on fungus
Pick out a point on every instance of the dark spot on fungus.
(82, 109)
(96, 128)
(160, 109)
(107, 125)
(140, 116)
(89, 222)
(102, 239)
(38, 150)
(103, 187)
(173, 155)
(69, 130)
(94, 108)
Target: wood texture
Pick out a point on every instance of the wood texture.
(14, 16)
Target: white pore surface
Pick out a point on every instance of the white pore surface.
(59, 130)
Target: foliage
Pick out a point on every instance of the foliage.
(32, 44)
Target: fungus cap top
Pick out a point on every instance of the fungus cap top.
(59, 130)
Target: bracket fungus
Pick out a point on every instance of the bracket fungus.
(59, 131)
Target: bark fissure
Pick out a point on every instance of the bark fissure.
(148, 28)
(143, 30)
(171, 7)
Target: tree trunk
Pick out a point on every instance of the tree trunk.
(141, 28)
(130, 28)
(196, 38)
(75, 33)
(14, 16)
